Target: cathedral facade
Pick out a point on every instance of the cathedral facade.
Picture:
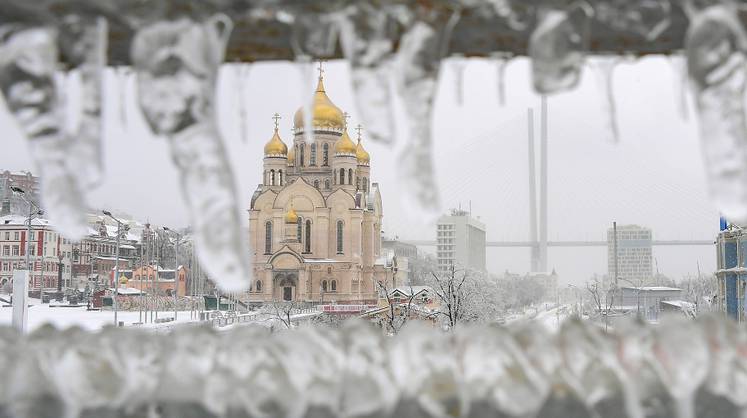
(315, 221)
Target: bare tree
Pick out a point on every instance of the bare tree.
(453, 292)
(602, 296)
(397, 313)
(283, 312)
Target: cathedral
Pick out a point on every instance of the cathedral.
(315, 221)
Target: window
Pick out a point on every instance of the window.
(268, 237)
(15, 250)
(7, 235)
(350, 176)
(316, 184)
(6, 249)
(326, 184)
(324, 285)
(15, 236)
(302, 148)
(342, 176)
(299, 229)
(258, 286)
(33, 235)
(339, 237)
(333, 286)
(325, 155)
(272, 177)
(280, 175)
(307, 247)
(358, 183)
(312, 157)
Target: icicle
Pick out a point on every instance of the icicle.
(242, 74)
(715, 45)
(368, 43)
(605, 67)
(86, 49)
(419, 57)
(179, 104)
(502, 60)
(305, 68)
(679, 65)
(123, 78)
(27, 68)
(458, 65)
(557, 47)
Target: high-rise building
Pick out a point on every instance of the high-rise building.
(633, 253)
(10, 203)
(460, 241)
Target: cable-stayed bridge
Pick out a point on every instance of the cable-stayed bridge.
(529, 244)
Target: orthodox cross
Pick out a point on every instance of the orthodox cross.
(346, 115)
(276, 116)
(359, 128)
(321, 70)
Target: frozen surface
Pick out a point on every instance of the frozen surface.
(676, 369)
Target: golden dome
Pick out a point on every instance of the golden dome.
(345, 145)
(276, 146)
(361, 153)
(292, 156)
(291, 217)
(325, 113)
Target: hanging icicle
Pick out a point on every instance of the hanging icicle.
(421, 49)
(681, 84)
(502, 60)
(367, 40)
(604, 70)
(715, 46)
(177, 64)
(458, 63)
(241, 73)
(84, 46)
(558, 45)
(28, 61)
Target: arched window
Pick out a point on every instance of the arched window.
(350, 176)
(280, 176)
(325, 155)
(312, 157)
(303, 148)
(307, 246)
(272, 177)
(326, 184)
(299, 229)
(357, 183)
(339, 237)
(342, 176)
(268, 237)
(333, 286)
(258, 286)
(324, 285)
(316, 184)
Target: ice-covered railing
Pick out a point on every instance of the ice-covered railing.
(677, 369)
(51, 49)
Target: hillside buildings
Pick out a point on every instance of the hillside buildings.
(460, 242)
(633, 253)
(315, 221)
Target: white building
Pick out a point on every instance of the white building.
(633, 253)
(460, 241)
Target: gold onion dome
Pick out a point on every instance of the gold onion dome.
(276, 146)
(291, 217)
(325, 113)
(345, 145)
(361, 154)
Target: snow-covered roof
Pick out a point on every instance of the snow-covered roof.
(127, 291)
(16, 220)
(653, 288)
(411, 290)
(678, 303)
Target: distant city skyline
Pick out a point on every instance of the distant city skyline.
(653, 177)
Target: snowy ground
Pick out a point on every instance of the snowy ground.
(89, 320)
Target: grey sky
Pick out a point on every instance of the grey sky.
(653, 177)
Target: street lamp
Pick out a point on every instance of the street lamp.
(34, 210)
(176, 265)
(116, 263)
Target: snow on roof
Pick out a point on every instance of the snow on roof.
(16, 220)
(406, 290)
(653, 288)
(320, 260)
(678, 303)
(127, 291)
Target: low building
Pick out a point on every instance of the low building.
(154, 278)
(404, 254)
(649, 301)
(94, 257)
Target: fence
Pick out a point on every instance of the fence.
(679, 368)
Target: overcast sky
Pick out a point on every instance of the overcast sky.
(652, 177)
